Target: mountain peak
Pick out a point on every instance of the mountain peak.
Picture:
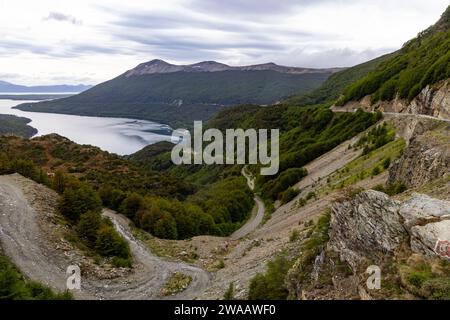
(160, 66)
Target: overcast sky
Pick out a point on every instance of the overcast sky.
(88, 41)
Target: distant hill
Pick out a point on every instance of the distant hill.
(12, 125)
(10, 87)
(177, 95)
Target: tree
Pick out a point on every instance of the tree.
(111, 197)
(88, 225)
(109, 243)
(270, 286)
(78, 200)
(166, 227)
(131, 205)
(59, 181)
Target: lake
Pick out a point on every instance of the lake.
(117, 135)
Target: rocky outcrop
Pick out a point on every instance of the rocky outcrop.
(367, 226)
(372, 225)
(433, 100)
(426, 159)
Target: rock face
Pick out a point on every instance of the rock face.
(371, 225)
(426, 158)
(366, 226)
(433, 100)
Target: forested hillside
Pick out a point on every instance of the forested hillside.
(179, 98)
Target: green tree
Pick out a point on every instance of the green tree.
(270, 286)
(59, 181)
(109, 243)
(131, 205)
(78, 200)
(166, 227)
(88, 225)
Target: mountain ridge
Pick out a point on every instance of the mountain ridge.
(11, 87)
(161, 66)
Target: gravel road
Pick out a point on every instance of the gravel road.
(29, 249)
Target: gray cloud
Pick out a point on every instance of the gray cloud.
(334, 57)
(58, 16)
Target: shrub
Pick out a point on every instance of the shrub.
(376, 171)
(386, 163)
(289, 194)
(271, 285)
(437, 289)
(229, 294)
(88, 226)
(131, 205)
(166, 227)
(109, 243)
(13, 286)
(78, 200)
(310, 195)
(295, 234)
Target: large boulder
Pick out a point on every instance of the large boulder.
(422, 209)
(367, 226)
(424, 239)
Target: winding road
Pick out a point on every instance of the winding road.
(35, 255)
(256, 219)
(31, 250)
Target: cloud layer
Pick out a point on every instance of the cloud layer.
(52, 41)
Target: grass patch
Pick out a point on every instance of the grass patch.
(177, 283)
(371, 164)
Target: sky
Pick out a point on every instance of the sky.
(88, 41)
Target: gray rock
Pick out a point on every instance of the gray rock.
(422, 208)
(424, 238)
(366, 226)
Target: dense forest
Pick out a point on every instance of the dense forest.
(159, 202)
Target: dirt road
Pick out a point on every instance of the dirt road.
(257, 214)
(37, 257)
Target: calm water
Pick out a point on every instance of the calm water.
(117, 135)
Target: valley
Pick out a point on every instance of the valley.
(362, 183)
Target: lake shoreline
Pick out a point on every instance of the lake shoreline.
(122, 136)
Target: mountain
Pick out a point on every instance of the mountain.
(160, 66)
(14, 88)
(178, 94)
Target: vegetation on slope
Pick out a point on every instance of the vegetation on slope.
(150, 199)
(14, 286)
(333, 87)
(422, 61)
(202, 95)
